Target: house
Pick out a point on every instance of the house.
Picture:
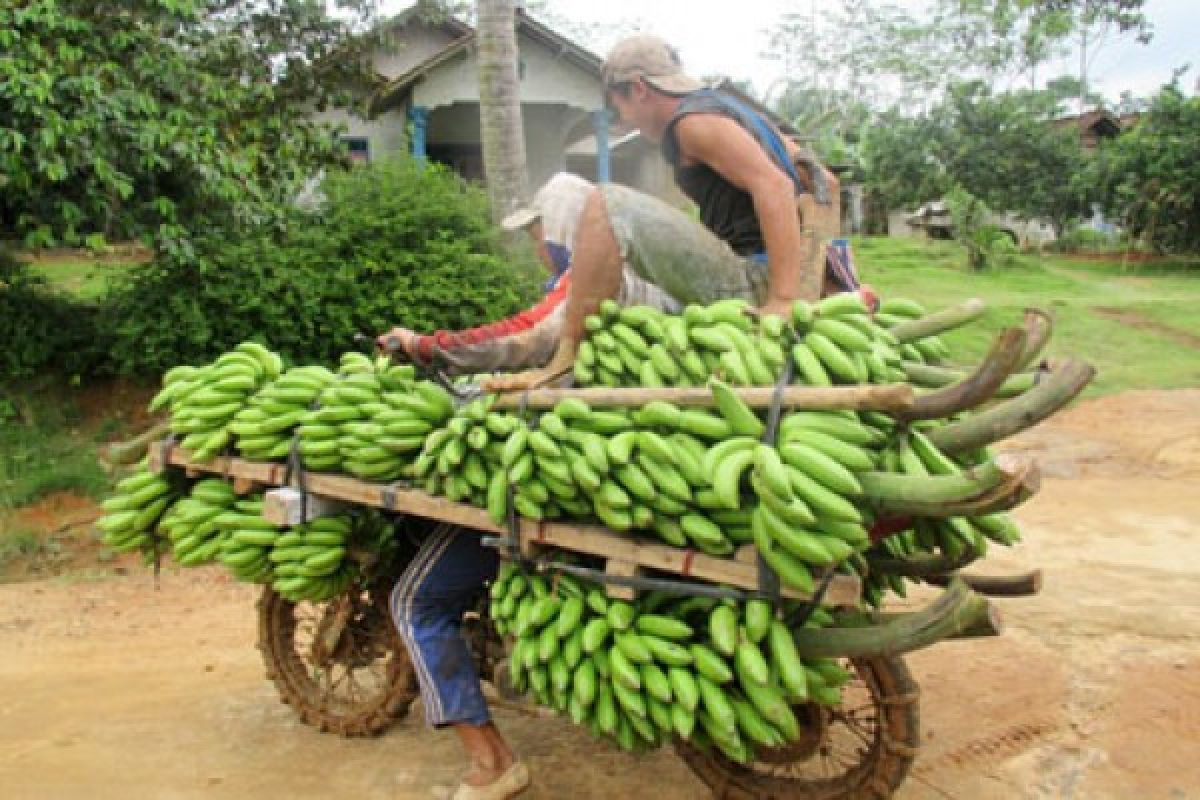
(1094, 126)
(429, 105)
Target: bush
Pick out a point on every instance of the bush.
(42, 330)
(391, 243)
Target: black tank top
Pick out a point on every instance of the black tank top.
(725, 209)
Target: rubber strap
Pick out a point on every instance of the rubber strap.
(768, 580)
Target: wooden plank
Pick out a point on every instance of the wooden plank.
(886, 397)
(262, 472)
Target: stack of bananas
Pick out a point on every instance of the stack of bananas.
(192, 523)
(712, 672)
(264, 428)
(132, 513)
(204, 400)
(371, 421)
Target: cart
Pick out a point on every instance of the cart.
(342, 666)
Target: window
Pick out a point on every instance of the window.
(358, 147)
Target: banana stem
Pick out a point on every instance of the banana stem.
(956, 611)
(934, 377)
(940, 321)
(978, 387)
(1063, 384)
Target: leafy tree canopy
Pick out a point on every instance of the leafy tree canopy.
(125, 118)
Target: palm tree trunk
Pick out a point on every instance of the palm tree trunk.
(500, 107)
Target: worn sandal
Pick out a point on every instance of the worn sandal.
(512, 783)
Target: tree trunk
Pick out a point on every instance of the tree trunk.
(503, 133)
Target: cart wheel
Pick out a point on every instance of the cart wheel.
(340, 664)
(861, 749)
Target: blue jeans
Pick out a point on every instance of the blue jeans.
(427, 605)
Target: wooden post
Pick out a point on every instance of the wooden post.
(892, 398)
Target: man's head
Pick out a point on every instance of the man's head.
(643, 81)
(552, 218)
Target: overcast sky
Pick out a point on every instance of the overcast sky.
(726, 38)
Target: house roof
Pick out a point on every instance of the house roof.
(1099, 122)
(395, 90)
(432, 16)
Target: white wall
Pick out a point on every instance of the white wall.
(385, 134)
(548, 78)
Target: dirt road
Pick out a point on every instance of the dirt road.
(113, 689)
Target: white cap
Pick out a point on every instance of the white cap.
(560, 201)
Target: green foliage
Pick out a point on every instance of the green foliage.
(899, 160)
(987, 244)
(1002, 148)
(41, 453)
(1005, 149)
(1153, 174)
(41, 329)
(153, 118)
(391, 244)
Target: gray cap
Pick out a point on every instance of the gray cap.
(653, 60)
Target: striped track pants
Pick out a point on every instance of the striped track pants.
(427, 606)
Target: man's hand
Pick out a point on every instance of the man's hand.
(778, 308)
(399, 340)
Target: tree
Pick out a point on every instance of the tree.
(899, 160)
(1152, 173)
(500, 107)
(1005, 149)
(155, 117)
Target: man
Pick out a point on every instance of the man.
(527, 339)
(452, 565)
(742, 175)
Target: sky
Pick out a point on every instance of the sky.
(718, 37)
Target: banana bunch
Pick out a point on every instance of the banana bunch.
(265, 426)
(952, 537)
(711, 672)
(928, 350)
(132, 513)
(641, 346)
(464, 458)
(245, 540)
(204, 400)
(834, 341)
(310, 562)
(371, 421)
(191, 524)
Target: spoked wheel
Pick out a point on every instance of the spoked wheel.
(859, 749)
(341, 663)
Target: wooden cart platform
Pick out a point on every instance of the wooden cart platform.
(625, 555)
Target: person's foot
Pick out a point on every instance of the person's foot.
(502, 784)
(562, 363)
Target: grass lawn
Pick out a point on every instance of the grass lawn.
(1137, 324)
(81, 272)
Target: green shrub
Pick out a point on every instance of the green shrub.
(392, 243)
(42, 329)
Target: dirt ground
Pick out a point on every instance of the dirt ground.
(114, 688)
